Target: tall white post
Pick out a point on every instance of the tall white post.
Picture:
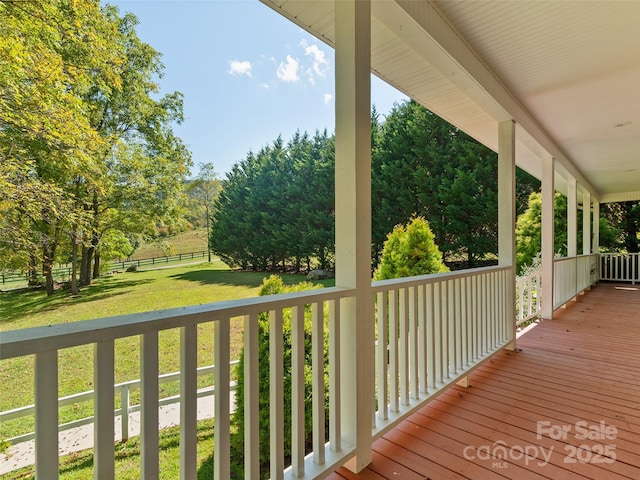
(586, 222)
(596, 227)
(507, 215)
(46, 413)
(572, 217)
(353, 223)
(548, 191)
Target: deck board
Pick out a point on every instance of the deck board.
(583, 366)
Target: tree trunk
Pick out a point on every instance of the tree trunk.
(96, 265)
(630, 228)
(85, 266)
(33, 270)
(87, 256)
(74, 265)
(470, 262)
(48, 255)
(95, 238)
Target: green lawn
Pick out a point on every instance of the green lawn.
(187, 242)
(116, 295)
(79, 466)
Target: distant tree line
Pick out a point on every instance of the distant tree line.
(276, 207)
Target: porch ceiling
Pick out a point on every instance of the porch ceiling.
(567, 72)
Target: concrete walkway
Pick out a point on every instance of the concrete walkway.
(81, 438)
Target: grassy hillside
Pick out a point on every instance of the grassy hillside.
(194, 241)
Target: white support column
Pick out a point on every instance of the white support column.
(103, 407)
(46, 414)
(596, 227)
(586, 222)
(572, 217)
(548, 192)
(149, 438)
(222, 401)
(353, 223)
(507, 215)
(188, 402)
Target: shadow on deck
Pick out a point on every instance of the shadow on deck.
(566, 405)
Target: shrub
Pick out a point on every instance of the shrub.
(410, 250)
(270, 286)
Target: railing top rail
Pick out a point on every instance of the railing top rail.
(534, 274)
(383, 285)
(566, 259)
(16, 343)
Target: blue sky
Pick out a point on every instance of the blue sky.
(247, 75)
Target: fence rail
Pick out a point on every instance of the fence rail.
(572, 275)
(46, 342)
(64, 273)
(123, 391)
(432, 330)
(528, 297)
(620, 267)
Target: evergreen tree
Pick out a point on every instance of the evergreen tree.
(425, 166)
(276, 208)
(408, 251)
(270, 286)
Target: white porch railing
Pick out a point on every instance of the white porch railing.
(572, 275)
(432, 330)
(620, 267)
(528, 297)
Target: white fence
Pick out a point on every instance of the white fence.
(620, 267)
(528, 297)
(572, 275)
(122, 390)
(432, 330)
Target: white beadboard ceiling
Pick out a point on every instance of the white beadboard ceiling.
(568, 73)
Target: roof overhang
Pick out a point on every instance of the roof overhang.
(566, 72)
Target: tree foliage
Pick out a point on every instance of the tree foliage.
(85, 145)
(421, 165)
(53, 52)
(276, 207)
(201, 193)
(529, 231)
(626, 217)
(409, 251)
(424, 166)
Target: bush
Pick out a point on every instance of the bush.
(270, 286)
(410, 251)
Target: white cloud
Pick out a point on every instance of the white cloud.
(327, 98)
(240, 68)
(320, 62)
(288, 72)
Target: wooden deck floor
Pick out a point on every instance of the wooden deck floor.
(579, 372)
